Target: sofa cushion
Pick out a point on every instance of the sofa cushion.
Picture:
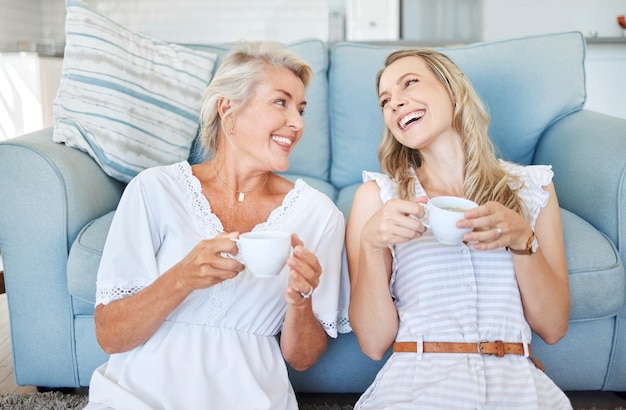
(596, 274)
(543, 75)
(316, 136)
(84, 259)
(131, 101)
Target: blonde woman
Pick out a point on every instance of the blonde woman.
(458, 317)
(186, 326)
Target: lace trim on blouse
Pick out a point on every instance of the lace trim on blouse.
(281, 216)
(118, 290)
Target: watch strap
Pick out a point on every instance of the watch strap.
(529, 247)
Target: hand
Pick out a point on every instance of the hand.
(495, 226)
(304, 275)
(395, 222)
(206, 265)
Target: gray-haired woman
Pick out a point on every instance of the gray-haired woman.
(187, 326)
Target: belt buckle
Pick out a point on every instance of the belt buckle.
(499, 348)
(480, 352)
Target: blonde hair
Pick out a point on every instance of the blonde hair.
(241, 71)
(485, 180)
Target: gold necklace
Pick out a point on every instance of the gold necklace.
(240, 194)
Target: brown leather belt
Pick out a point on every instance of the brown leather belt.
(496, 348)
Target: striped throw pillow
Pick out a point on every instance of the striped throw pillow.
(131, 101)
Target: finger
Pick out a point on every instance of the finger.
(294, 297)
(498, 233)
(295, 240)
(227, 264)
(303, 257)
(406, 208)
(222, 243)
(301, 285)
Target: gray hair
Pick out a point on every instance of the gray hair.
(242, 70)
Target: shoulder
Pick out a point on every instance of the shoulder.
(162, 171)
(313, 196)
(538, 175)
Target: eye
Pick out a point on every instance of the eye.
(301, 111)
(383, 102)
(410, 81)
(281, 101)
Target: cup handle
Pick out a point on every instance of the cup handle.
(426, 216)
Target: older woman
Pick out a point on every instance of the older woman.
(186, 325)
(458, 317)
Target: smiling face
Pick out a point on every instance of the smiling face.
(270, 125)
(417, 107)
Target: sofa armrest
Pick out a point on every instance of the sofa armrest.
(48, 192)
(587, 151)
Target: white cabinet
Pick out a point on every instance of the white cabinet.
(372, 20)
(28, 85)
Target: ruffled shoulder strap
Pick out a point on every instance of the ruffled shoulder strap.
(388, 188)
(533, 178)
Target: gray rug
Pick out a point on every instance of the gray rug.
(52, 400)
(55, 400)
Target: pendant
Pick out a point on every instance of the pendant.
(241, 196)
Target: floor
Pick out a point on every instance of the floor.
(580, 399)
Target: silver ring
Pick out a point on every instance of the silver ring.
(307, 295)
(499, 233)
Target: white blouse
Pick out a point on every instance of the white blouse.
(454, 293)
(219, 346)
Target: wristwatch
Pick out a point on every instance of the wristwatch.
(531, 246)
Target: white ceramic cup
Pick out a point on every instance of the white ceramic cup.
(264, 253)
(443, 212)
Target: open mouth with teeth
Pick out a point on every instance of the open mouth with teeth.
(410, 118)
(282, 140)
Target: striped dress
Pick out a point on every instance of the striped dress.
(458, 294)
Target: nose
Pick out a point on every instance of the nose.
(397, 102)
(294, 120)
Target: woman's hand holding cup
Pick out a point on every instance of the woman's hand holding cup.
(205, 265)
(304, 274)
(397, 221)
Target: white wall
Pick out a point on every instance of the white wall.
(19, 22)
(197, 21)
(201, 21)
(516, 18)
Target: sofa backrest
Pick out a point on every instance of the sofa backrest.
(526, 84)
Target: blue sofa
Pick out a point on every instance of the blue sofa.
(56, 205)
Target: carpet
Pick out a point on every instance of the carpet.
(52, 400)
(55, 400)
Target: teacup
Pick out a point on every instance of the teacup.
(264, 253)
(443, 214)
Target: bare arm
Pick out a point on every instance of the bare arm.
(372, 228)
(302, 339)
(129, 322)
(542, 277)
